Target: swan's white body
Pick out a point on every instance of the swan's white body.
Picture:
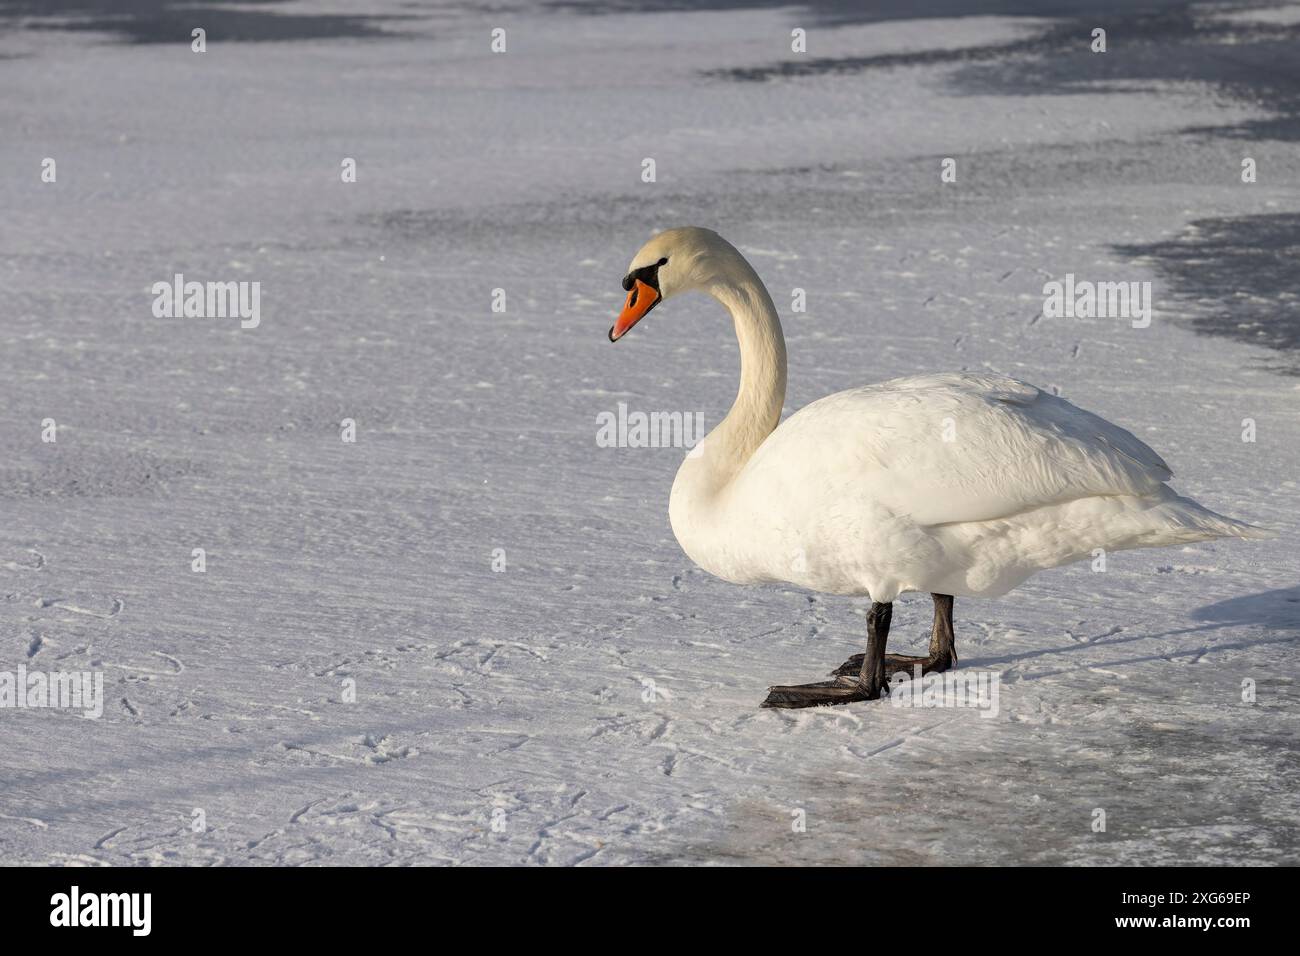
(954, 484)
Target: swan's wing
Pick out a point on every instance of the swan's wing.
(951, 448)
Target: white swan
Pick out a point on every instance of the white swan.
(952, 484)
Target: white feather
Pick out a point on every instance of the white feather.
(955, 484)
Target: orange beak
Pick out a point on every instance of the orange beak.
(640, 300)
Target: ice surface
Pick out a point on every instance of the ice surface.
(522, 690)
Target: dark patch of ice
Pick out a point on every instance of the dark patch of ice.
(171, 21)
(1149, 46)
(1238, 278)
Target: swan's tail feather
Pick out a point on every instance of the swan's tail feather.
(1200, 523)
(1004, 552)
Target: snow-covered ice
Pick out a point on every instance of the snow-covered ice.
(523, 690)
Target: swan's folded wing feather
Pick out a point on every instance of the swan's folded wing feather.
(952, 448)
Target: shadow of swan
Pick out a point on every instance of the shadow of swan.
(1274, 610)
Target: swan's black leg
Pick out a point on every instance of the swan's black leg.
(867, 684)
(943, 643)
(872, 675)
(943, 649)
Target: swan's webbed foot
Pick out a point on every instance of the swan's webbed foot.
(842, 690)
(866, 676)
(868, 684)
(895, 663)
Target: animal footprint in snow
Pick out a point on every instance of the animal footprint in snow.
(1185, 569)
(92, 605)
(29, 560)
(383, 750)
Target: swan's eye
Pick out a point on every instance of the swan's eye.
(663, 261)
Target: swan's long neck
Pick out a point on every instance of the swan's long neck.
(757, 409)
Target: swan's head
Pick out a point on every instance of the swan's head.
(674, 261)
